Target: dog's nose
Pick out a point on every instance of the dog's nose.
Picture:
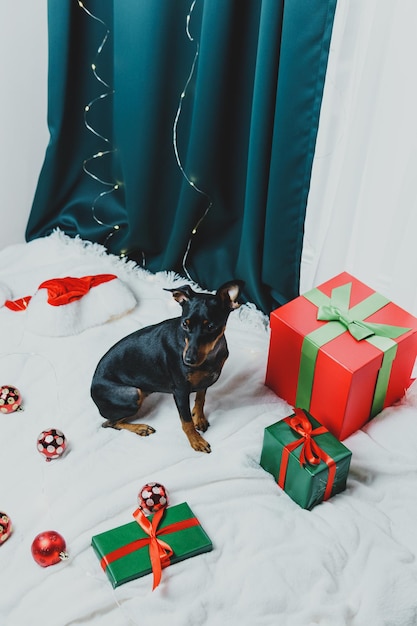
(189, 359)
(191, 356)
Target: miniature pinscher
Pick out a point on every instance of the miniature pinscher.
(179, 356)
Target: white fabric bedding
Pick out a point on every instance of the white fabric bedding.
(349, 561)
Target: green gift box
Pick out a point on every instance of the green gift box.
(125, 552)
(307, 461)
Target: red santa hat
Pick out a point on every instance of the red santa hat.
(68, 306)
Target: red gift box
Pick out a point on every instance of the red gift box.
(341, 351)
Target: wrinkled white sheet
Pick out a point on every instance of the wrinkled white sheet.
(349, 561)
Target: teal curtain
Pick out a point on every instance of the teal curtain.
(200, 137)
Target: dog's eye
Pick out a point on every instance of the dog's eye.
(185, 324)
(210, 326)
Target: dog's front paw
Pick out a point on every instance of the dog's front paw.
(199, 444)
(196, 440)
(200, 421)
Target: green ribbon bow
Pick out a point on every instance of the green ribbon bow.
(335, 310)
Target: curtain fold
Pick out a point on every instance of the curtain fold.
(199, 138)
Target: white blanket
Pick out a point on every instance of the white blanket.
(349, 561)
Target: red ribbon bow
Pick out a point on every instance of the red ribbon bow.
(311, 452)
(160, 552)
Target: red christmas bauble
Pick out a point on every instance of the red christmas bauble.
(51, 443)
(49, 548)
(10, 399)
(152, 497)
(5, 527)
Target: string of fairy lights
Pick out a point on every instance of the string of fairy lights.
(112, 186)
(175, 143)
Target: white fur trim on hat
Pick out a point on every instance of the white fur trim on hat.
(104, 302)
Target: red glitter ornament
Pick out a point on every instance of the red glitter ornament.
(152, 498)
(49, 548)
(10, 399)
(51, 443)
(5, 527)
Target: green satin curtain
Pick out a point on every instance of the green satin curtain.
(245, 135)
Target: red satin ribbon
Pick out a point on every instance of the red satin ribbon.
(311, 452)
(159, 551)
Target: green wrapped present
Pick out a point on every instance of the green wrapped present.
(307, 461)
(150, 543)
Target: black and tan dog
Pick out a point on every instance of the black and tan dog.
(178, 356)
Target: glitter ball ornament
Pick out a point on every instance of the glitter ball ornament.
(51, 443)
(5, 527)
(152, 498)
(10, 399)
(49, 548)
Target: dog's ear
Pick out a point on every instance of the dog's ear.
(181, 294)
(230, 292)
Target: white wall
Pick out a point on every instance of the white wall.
(23, 110)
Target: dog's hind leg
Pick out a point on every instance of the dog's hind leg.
(143, 430)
